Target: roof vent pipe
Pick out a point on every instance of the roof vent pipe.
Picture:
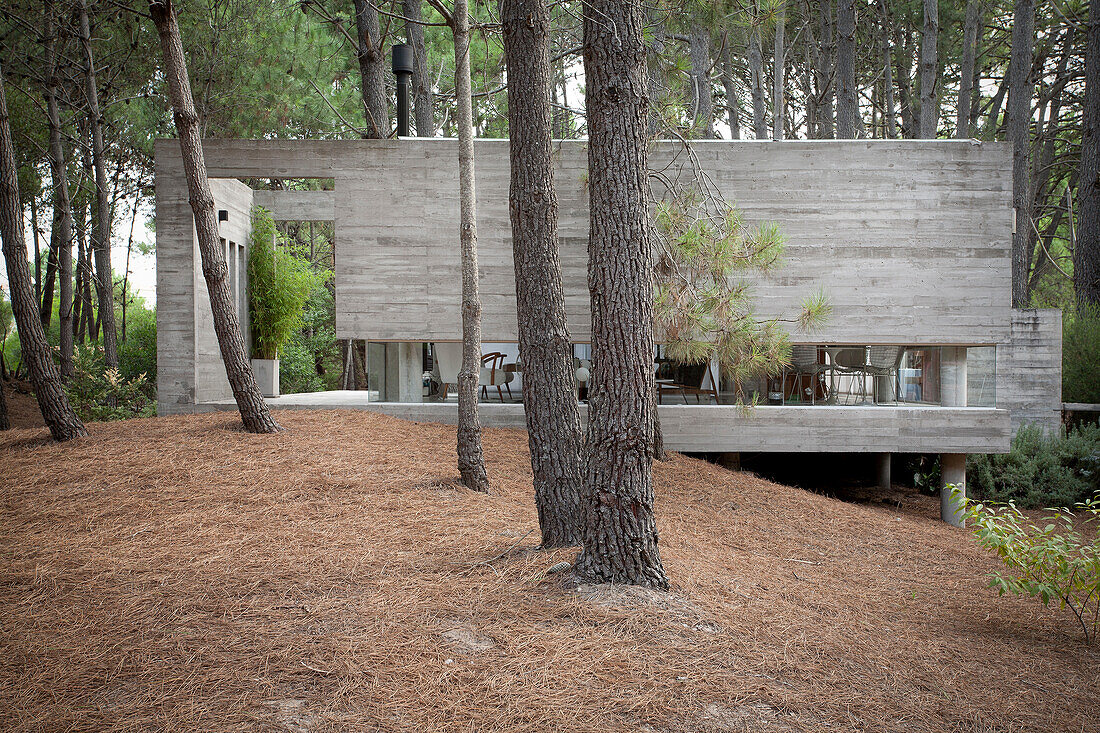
(402, 58)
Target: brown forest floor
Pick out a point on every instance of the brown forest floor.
(180, 574)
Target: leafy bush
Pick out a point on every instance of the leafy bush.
(98, 393)
(1040, 470)
(1081, 355)
(310, 360)
(138, 353)
(279, 285)
(1052, 562)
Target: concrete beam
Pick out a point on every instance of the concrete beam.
(298, 205)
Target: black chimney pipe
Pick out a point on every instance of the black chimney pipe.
(402, 59)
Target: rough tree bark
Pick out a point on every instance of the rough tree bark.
(1019, 125)
(423, 103)
(101, 230)
(966, 70)
(471, 459)
(372, 69)
(254, 412)
(702, 93)
(847, 106)
(63, 422)
(62, 206)
(756, 78)
(929, 99)
(1086, 253)
(549, 386)
(620, 535)
(729, 83)
(888, 72)
(778, 64)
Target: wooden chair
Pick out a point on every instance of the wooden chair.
(493, 374)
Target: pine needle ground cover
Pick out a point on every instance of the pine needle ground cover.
(181, 574)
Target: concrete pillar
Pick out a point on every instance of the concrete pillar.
(953, 376)
(404, 371)
(732, 461)
(952, 471)
(882, 469)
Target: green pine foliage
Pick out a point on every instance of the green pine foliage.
(1041, 470)
(279, 285)
(703, 306)
(1081, 355)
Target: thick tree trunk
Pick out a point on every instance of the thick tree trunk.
(423, 103)
(778, 68)
(702, 92)
(254, 412)
(101, 230)
(729, 83)
(471, 459)
(1086, 253)
(549, 385)
(929, 98)
(756, 76)
(372, 69)
(966, 70)
(620, 535)
(1019, 122)
(45, 378)
(847, 105)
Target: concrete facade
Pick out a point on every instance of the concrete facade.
(909, 240)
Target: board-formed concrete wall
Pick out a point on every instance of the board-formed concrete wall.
(909, 241)
(189, 363)
(1029, 369)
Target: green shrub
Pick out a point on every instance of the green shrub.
(137, 355)
(1052, 562)
(279, 285)
(1040, 470)
(1081, 355)
(98, 393)
(310, 360)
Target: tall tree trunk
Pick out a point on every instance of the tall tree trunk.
(778, 64)
(549, 385)
(372, 69)
(101, 236)
(756, 75)
(1086, 252)
(1019, 121)
(254, 412)
(423, 103)
(966, 70)
(702, 93)
(620, 535)
(929, 98)
(847, 105)
(45, 378)
(729, 83)
(888, 72)
(471, 459)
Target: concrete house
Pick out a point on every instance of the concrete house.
(909, 240)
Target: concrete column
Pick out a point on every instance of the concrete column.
(882, 469)
(952, 471)
(404, 370)
(732, 461)
(953, 376)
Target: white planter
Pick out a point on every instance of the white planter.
(267, 376)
